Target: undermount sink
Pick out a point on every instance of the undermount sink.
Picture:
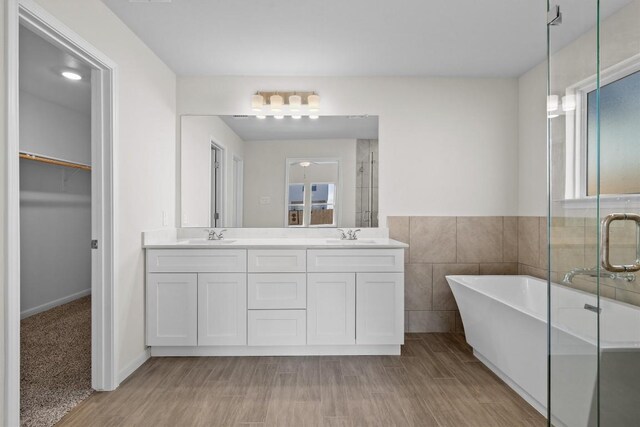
(208, 242)
(351, 242)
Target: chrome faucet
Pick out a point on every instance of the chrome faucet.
(215, 236)
(349, 234)
(593, 272)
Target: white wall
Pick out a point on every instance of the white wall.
(619, 40)
(145, 155)
(447, 146)
(532, 142)
(264, 175)
(55, 206)
(197, 133)
(54, 130)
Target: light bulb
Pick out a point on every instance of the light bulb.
(295, 102)
(71, 75)
(257, 102)
(314, 102)
(276, 102)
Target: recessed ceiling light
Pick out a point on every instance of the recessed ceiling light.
(71, 75)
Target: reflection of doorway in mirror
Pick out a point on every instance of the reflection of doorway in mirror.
(367, 183)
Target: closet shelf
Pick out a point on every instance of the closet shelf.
(51, 161)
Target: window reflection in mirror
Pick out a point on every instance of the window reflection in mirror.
(312, 186)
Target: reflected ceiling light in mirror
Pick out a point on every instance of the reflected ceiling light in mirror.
(276, 101)
(71, 75)
(314, 116)
(257, 102)
(261, 116)
(278, 116)
(296, 116)
(305, 164)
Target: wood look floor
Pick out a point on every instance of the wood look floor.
(435, 382)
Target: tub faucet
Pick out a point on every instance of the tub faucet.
(593, 272)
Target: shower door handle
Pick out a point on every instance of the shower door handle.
(605, 253)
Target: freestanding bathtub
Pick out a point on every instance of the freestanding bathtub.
(505, 321)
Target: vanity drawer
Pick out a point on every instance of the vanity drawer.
(355, 260)
(197, 260)
(277, 291)
(277, 327)
(277, 261)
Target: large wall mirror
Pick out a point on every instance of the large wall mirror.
(243, 171)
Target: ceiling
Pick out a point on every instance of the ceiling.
(354, 37)
(40, 66)
(250, 128)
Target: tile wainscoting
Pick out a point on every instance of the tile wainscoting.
(440, 246)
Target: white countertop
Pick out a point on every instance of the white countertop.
(275, 243)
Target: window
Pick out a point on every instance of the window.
(619, 137)
(296, 205)
(323, 203)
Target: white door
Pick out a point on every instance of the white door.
(222, 309)
(331, 305)
(172, 307)
(380, 308)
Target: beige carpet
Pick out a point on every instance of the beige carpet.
(55, 362)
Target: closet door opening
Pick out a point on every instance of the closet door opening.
(55, 128)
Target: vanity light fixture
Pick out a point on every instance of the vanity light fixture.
(314, 102)
(257, 102)
(280, 104)
(295, 102)
(276, 101)
(71, 75)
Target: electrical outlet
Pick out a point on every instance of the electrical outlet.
(265, 200)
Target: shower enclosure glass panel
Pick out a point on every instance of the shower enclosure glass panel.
(593, 134)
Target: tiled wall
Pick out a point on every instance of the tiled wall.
(441, 246)
(574, 245)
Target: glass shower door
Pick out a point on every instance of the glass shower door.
(593, 132)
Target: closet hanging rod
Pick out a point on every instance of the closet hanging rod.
(51, 161)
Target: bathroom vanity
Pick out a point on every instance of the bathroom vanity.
(274, 296)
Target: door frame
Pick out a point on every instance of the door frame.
(103, 149)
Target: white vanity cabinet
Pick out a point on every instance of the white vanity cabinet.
(222, 309)
(273, 301)
(172, 307)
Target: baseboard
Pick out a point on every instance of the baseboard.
(44, 307)
(134, 365)
(300, 350)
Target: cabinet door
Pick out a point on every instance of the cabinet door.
(172, 304)
(222, 309)
(380, 308)
(331, 305)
